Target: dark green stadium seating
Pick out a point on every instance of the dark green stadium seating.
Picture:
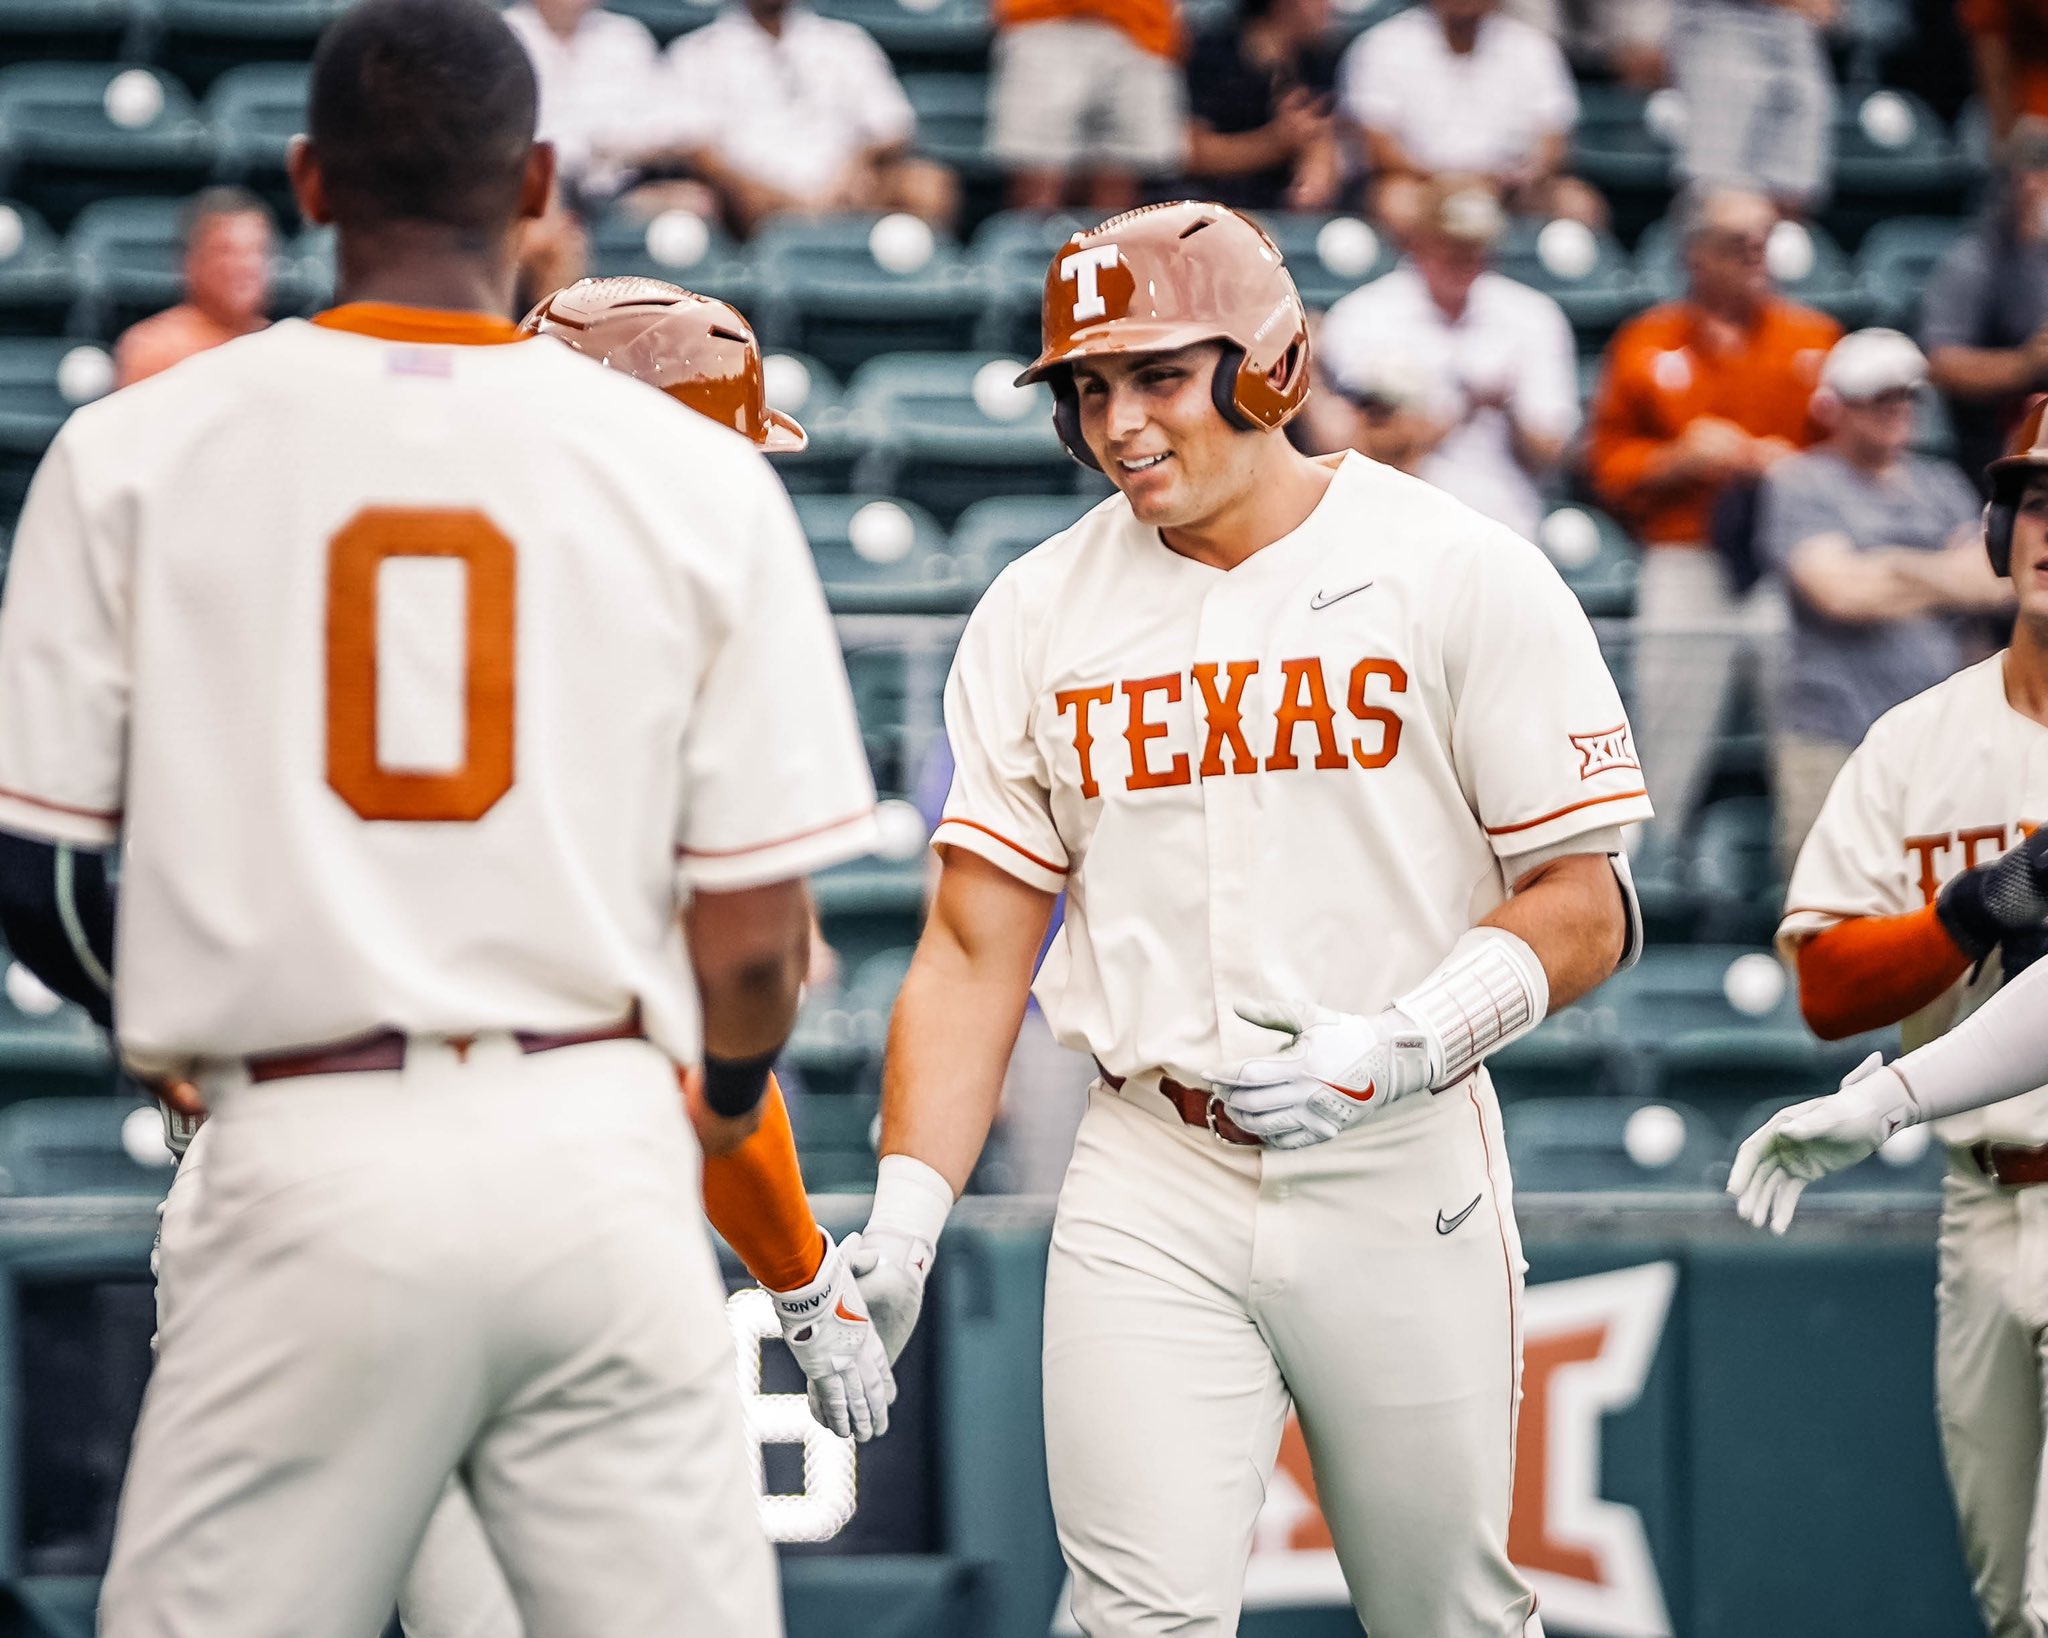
(827, 294)
(668, 18)
(1014, 248)
(1663, 877)
(131, 263)
(1586, 273)
(1567, 1145)
(877, 555)
(1351, 18)
(1577, 1052)
(1896, 258)
(1627, 155)
(203, 39)
(925, 34)
(1893, 157)
(1831, 283)
(680, 248)
(869, 905)
(39, 282)
(952, 127)
(62, 149)
(1734, 871)
(69, 30)
(1912, 1164)
(898, 687)
(992, 534)
(48, 1047)
(256, 110)
(33, 404)
(59, 1146)
(802, 386)
(945, 450)
(1598, 558)
(1330, 254)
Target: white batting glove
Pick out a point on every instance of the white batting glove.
(1337, 1068)
(828, 1329)
(1806, 1142)
(891, 1267)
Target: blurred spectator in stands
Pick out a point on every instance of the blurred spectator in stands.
(1696, 398)
(1877, 548)
(1629, 40)
(1086, 92)
(1497, 354)
(599, 89)
(1261, 135)
(782, 110)
(1984, 313)
(1383, 410)
(2009, 45)
(1452, 87)
(554, 252)
(228, 242)
(1759, 97)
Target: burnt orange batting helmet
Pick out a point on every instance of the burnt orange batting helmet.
(693, 348)
(2026, 453)
(1167, 276)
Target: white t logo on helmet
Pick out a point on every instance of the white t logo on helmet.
(1081, 270)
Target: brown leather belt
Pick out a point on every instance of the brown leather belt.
(1199, 1109)
(386, 1049)
(2009, 1164)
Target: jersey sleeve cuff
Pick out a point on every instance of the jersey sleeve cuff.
(1801, 921)
(1514, 837)
(1029, 867)
(779, 858)
(57, 821)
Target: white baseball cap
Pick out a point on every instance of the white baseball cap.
(1867, 364)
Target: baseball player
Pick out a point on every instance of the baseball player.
(1333, 776)
(468, 718)
(1923, 885)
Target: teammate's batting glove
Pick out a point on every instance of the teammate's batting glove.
(2008, 894)
(1337, 1068)
(2019, 951)
(1799, 1145)
(827, 1327)
(891, 1267)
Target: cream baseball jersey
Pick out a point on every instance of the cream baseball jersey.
(1949, 779)
(1297, 778)
(420, 682)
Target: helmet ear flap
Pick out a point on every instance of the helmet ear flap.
(1223, 389)
(1999, 517)
(1066, 418)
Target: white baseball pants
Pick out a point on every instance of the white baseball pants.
(1196, 1288)
(1990, 1351)
(488, 1262)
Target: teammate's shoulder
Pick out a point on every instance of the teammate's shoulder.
(1963, 696)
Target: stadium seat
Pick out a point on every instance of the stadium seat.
(1622, 145)
(1912, 1164)
(67, 30)
(74, 132)
(954, 430)
(1722, 1070)
(680, 247)
(1574, 1053)
(1806, 265)
(1598, 558)
(60, 1146)
(1893, 158)
(1329, 255)
(876, 555)
(837, 1050)
(38, 278)
(1570, 1145)
(1351, 18)
(42, 380)
(992, 534)
(1663, 877)
(256, 110)
(921, 33)
(48, 1047)
(1013, 249)
(1587, 273)
(666, 19)
(869, 905)
(130, 257)
(1677, 988)
(1734, 871)
(898, 687)
(800, 385)
(1896, 258)
(952, 127)
(849, 288)
(202, 39)
(1934, 429)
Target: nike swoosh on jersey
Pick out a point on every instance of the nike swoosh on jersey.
(1449, 1225)
(1323, 600)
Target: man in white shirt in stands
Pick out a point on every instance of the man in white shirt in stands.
(1496, 356)
(599, 87)
(782, 110)
(1453, 87)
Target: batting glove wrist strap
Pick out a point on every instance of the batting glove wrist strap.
(2007, 895)
(1488, 991)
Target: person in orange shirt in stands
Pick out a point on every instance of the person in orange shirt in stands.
(1697, 397)
(1091, 89)
(228, 242)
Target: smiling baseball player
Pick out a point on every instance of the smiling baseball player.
(468, 718)
(1922, 888)
(1332, 774)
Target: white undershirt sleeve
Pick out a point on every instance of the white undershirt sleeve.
(2000, 1051)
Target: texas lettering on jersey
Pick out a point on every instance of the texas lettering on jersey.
(1306, 730)
(1950, 853)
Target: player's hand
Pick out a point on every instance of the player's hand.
(890, 1268)
(2008, 894)
(1799, 1145)
(176, 1094)
(827, 1327)
(1336, 1068)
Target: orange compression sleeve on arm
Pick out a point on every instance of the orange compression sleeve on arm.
(755, 1198)
(1872, 971)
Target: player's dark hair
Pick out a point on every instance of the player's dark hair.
(209, 205)
(422, 110)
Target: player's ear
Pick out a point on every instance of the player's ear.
(537, 186)
(309, 187)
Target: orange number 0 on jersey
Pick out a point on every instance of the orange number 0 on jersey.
(354, 556)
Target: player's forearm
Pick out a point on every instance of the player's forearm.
(1570, 913)
(755, 1198)
(1872, 971)
(1232, 153)
(1999, 1052)
(1981, 372)
(751, 950)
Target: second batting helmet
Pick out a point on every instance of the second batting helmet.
(1168, 276)
(694, 348)
(2026, 453)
